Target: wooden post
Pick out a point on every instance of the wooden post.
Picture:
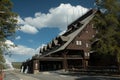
(35, 66)
(65, 64)
(84, 64)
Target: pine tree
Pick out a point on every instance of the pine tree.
(107, 23)
(8, 23)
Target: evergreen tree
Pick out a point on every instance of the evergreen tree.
(107, 23)
(8, 23)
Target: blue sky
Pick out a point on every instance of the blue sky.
(41, 21)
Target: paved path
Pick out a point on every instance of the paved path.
(54, 75)
(12, 75)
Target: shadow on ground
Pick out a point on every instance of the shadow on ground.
(90, 75)
(97, 78)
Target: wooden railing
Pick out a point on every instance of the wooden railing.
(74, 56)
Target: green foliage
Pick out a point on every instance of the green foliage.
(7, 19)
(107, 22)
(17, 65)
(8, 24)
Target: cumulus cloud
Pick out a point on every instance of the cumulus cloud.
(28, 29)
(58, 17)
(9, 42)
(22, 50)
(19, 51)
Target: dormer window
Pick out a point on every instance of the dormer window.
(78, 42)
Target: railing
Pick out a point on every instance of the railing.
(73, 56)
(87, 57)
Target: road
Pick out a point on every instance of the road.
(10, 76)
(13, 75)
(54, 75)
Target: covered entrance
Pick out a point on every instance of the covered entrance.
(50, 65)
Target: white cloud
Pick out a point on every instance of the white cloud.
(20, 20)
(20, 49)
(28, 29)
(18, 37)
(8, 42)
(58, 17)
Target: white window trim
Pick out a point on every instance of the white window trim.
(87, 54)
(86, 31)
(93, 26)
(78, 42)
(87, 45)
(93, 35)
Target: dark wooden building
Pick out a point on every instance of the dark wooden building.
(68, 51)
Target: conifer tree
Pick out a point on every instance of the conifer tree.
(107, 23)
(8, 23)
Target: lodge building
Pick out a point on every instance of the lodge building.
(68, 51)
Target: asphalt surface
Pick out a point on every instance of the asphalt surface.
(15, 75)
(10, 76)
(55, 75)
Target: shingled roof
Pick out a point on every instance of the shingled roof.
(70, 34)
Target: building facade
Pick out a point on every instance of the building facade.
(69, 51)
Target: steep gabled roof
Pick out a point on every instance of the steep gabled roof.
(84, 20)
(81, 18)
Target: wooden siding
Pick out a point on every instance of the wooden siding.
(84, 36)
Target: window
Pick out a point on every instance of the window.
(87, 54)
(96, 31)
(93, 26)
(86, 31)
(78, 42)
(87, 45)
(93, 36)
